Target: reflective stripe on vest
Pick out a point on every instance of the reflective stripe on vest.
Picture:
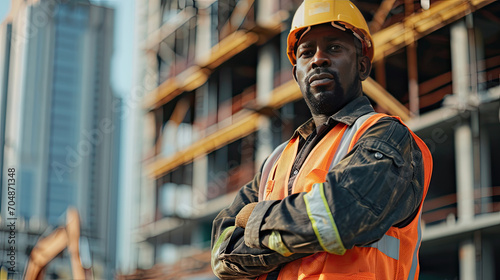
(414, 262)
(347, 139)
(388, 245)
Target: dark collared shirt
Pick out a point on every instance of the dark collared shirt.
(367, 195)
(309, 136)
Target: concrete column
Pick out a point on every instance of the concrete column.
(200, 168)
(464, 172)
(154, 15)
(265, 84)
(467, 260)
(265, 74)
(264, 12)
(203, 36)
(264, 142)
(460, 63)
(464, 145)
(146, 255)
(463, 134)
(414, 99)
(476, 54)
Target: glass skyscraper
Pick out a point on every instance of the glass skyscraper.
(60, 129)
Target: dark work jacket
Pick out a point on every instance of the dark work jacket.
(361, 187)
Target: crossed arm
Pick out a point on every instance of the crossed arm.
(362, 197)
(231, 257)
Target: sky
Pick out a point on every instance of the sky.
(121, 76)
(4, 9)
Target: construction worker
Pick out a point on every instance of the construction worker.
(342, 199)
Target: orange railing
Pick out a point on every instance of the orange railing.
(437, 210)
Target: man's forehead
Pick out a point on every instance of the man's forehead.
(325, 32)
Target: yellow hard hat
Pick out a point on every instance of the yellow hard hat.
(341, 14)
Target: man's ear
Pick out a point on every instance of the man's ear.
(294, 72)
(364, 67)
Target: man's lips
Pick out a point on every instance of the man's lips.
(320, 79)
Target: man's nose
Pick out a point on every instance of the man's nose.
(320, 59)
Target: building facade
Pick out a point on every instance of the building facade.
(58, 125)
(224, 97)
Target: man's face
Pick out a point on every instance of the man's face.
(328, 71)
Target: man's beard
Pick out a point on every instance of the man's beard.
(327, 104)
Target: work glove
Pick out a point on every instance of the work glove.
(244, 214)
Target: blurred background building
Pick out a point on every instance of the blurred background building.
(58, 128)
(223, 97)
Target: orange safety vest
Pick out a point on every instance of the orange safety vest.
(395, 256)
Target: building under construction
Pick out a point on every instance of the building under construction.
(220, 97)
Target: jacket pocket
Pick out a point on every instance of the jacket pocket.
(374, 170)
(379, 149)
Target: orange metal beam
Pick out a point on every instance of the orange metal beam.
(188, 80)
(436, 96)
(285, 93)
(197, 75)
(246, 124)
(380, 75)
(230, 46)
(381, 15)
(397, 36)
(237, 130)
(434, 83)
(385, 99)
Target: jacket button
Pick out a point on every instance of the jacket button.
(378, 155)
(295, 172)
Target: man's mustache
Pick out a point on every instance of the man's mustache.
(320, 70)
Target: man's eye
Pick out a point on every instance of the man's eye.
(335, 47)
(306, 53)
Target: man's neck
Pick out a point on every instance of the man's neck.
(320, 120)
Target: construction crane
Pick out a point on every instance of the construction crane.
(47, 248)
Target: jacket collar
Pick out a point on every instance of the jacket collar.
(347, 115)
